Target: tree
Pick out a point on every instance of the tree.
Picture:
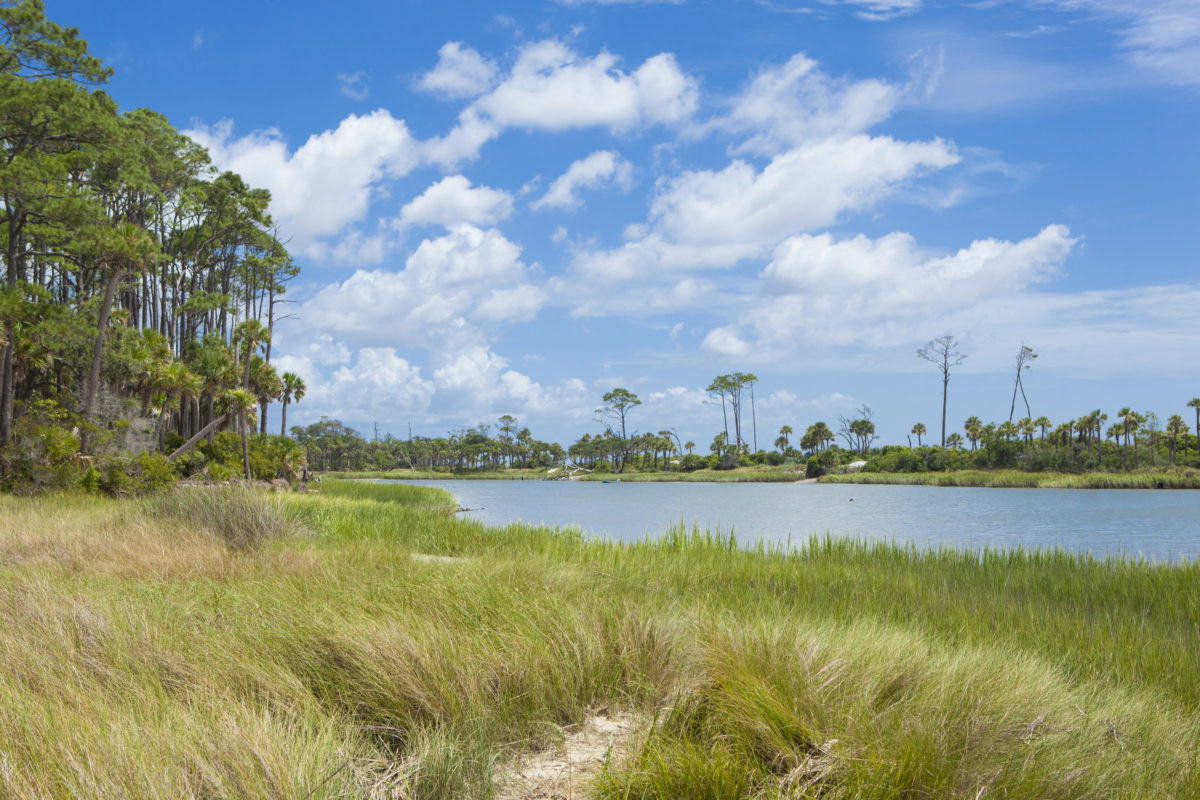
(1024, 356)
(1195, 403)
(293, 392)
(918, 431)
(617, 405)
(954, 441)
(1176, 427)
(974, 428)
(858, 433)
(1043, 423)
(784, 433)
(943, 353)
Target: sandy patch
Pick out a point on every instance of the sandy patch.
(566, 771)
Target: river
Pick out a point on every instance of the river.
(1160, 525)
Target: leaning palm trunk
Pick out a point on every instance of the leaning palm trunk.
(200, 434)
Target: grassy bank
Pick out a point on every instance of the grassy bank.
(363, 643)
(1012, 479)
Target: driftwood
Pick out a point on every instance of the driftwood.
(190, 443)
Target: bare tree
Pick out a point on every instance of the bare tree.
(944, 354)
(1024, 356)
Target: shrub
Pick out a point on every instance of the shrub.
(243, 517)
(814, 469)
(692, 462)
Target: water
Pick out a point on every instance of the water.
(1161, 525)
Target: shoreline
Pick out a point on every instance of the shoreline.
(999, 479)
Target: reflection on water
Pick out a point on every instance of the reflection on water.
(1162, 525)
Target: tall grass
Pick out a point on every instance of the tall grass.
(1011, 479)
(144, 657)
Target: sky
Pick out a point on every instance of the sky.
(514, 207)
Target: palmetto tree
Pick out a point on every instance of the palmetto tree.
(1043, 423)
(954, 441)
(918, 430)
(974, 428)
(1176, 427)
(293, 392)
(1195, 403)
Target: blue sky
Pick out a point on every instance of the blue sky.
(513, 208)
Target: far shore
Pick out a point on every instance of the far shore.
(997, 479)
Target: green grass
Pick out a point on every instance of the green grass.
(376, 646)
(1012, 479)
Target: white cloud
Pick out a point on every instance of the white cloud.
(452, 201)
(1162, 36)
(796, 102)
(881, 10)
(551, 88)
(597, 169)
(353, 85)
(460, 72)
(821, 292)
(377, 385)
(706, 218)
(327, 184)
(448, 288)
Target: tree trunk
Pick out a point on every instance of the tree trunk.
(283, 422)
(93, 384)
(245, 443)
(200, 434)
(945, 390)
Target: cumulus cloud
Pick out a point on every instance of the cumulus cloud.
(552, 88)
(327, 183)
(818, 291)
(597, 169)
(460, 72)
(453, 201)
(707, 218)
(448, 287)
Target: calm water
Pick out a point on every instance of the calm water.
(1161, 525)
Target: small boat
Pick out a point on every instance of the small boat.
(618, 480)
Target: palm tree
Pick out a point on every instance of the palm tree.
(784, 433)
(242, 401)
(1175, 428)
(1026, 427)
(689, 446)
(918, 431)
(293, 392)
(1043, 423)
(954, 441)
(266, 386)
(974, 428)
(1195, 403)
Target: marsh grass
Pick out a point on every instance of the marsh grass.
(144, 657)
(242, 517)
(1011, 479)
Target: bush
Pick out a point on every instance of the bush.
(243, 517)
(814, 469)
(692, 462)
(132, 477)
(774, 459)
